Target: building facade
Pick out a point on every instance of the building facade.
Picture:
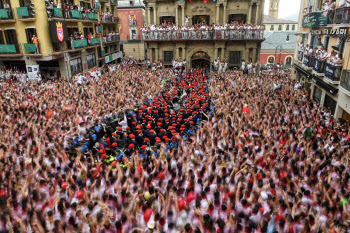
(322, 55)
(197, 49)
(131, 20)
(64, 37)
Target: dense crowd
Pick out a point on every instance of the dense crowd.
(233, 30)
(137, 150)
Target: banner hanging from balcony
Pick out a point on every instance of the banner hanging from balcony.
(315, 19)
(7, 48)
(22, 11)
(3, 14)
(58, 31)
(30, 48)
(329, 71)
(76, 14)
(57, 12)
(92, 16)
(80, 43)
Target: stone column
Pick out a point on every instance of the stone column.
(217, 12)
(176, 15)
(155, 15)
(257, 18)
(254, 56)
(157, 54)
(177, 54)
(224, 18)
(250, 13)
(183, 53)
(222, 53)
(215, 53)
(150, 54)
(148, 16)
(246, 55)
(183, 15)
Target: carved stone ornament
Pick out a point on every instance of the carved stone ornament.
(201, 9)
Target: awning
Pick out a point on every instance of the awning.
(304, 72)
(324, 85)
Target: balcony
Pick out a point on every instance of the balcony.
(95, 41)
(345, 82)
(10, 50)
(253, 35)
(332, 73)
(308, 62)
(108, 19)
(31, 49)
(300, 56)
(111, 39)
(134, 38)
(132, 22)
(75, 15)
(26, 13)
(76, 44)
(319, 67)
(6, 16)
(342, 15)
(55, 13)
(114, 2)
(59, 48)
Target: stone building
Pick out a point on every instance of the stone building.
(205, 50)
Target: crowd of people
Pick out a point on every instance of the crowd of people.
(202, 31)
(320, 53)
(142, 150)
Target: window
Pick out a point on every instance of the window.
(75, 66)
(280, 27)
(272, 27)
(2, 41)
(287, 27)
(235, 57)
(325, 42)
(168, 56)
(30, 32)
(132, 20)
(87, 30)
(91, 60)
(271, 6)
(23, 3)
(288, 61)
(11, 37)
(317, 94)
(293, 27)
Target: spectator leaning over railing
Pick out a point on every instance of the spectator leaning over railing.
(344, 3)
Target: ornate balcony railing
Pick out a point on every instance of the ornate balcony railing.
(238, 34)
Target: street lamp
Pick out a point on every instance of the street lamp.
(280, 47)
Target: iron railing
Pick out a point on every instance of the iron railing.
(309, 61)
(342, 15)
(134, 37)
(107, 19)
(333, 72)
(59, 47)
(30, 48)
(319, 66)
(345, 80)
(236, 34)
(111, 38)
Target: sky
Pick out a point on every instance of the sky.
(289, 9)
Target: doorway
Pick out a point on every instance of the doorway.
(201, 19)
(200, 60)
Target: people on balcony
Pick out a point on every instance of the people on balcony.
(328, 5)
(344, 3)
(335, 58)
(107, 17)
(321, 54)
(8, 9)
(233, 30)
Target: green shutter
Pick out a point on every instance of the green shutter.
(22, 11)
(95, 41)
(103, 53)
(7, 48)
(57, 12)
(3, 14)
(76, 14)
(98, 5)
(30, 48)
(99, 29)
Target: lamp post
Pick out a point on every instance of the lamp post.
(280, 47)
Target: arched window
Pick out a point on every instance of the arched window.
(271, 60)
(288, 60)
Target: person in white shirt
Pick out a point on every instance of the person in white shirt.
(243, 65)
(186, 21)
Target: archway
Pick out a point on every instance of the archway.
(200, 59)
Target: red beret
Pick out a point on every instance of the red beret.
(114, 144)
(131, 146)
(131, 136)
(148, 127)
(119, 128)
(114, 134)
(146, 140)
(151, 131)
(143, 147)
(162, 130)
